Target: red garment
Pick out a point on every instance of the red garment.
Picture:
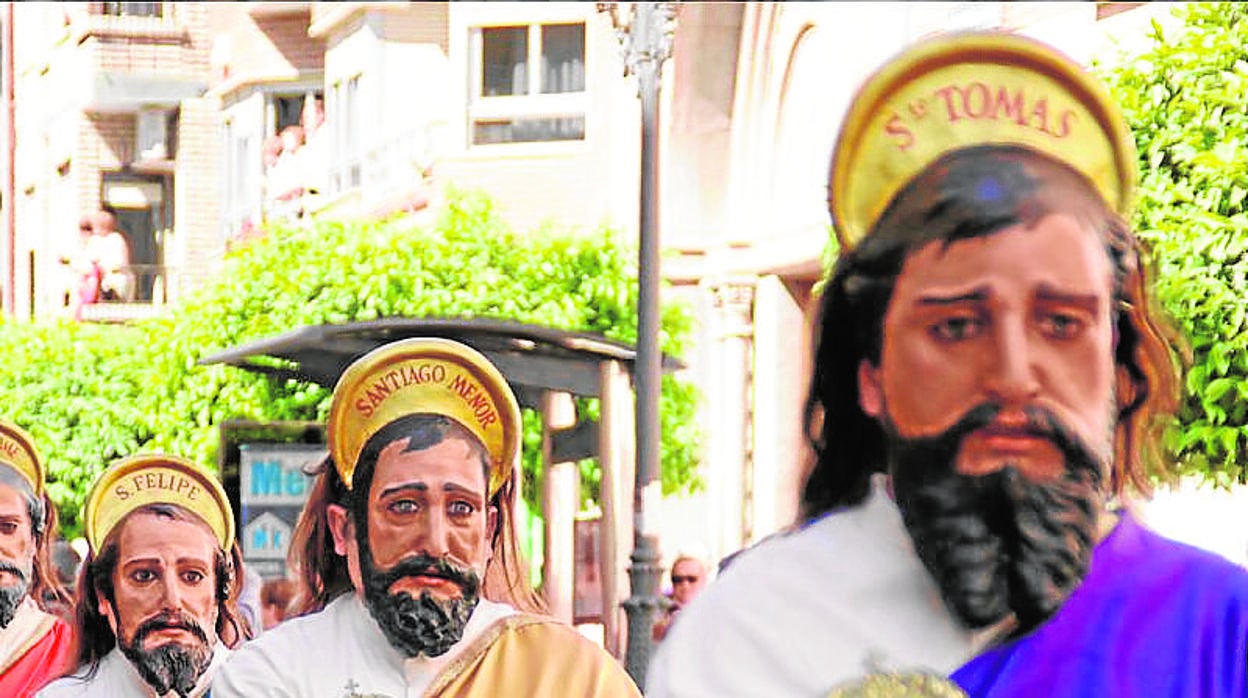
(47, 659)
(88, 289)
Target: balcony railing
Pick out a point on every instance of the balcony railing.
(161, 28)
(145, 295)
(398, 164)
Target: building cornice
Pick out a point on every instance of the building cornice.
(266, 10)
(789, 256)
(325, 21)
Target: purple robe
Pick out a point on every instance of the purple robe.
(1152, 618)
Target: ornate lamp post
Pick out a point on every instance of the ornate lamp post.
(646, 41)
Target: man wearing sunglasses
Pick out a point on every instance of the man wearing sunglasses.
(688, 578)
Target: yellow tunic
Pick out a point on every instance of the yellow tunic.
(532, 656)
(341, 652)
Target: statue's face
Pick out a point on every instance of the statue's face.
(164, 605)
(433, 502)
(995, 388)
(1020, 318)
(17, 551)
(421, 560)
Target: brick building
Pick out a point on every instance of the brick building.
(108, 111)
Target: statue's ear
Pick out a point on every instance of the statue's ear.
(339, 521)
(105, 607)
(491, 529)
(870, 392)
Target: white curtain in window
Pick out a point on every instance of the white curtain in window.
(563, 58)
(505, 67)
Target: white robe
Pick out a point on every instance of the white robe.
(338, 652)
(115, 677)
(806, 612)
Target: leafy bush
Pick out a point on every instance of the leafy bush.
(1184, 98)
(93, 393)
(76, 389)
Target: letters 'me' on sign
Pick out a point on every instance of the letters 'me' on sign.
(273, 485)
(275, 473)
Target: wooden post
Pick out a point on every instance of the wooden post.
(615, 454)
(561, 485)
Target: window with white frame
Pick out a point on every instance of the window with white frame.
(343, 117)
(240, 161)
(528, 84)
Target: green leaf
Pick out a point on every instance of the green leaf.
(1219, 387)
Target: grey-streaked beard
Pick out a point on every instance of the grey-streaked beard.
(999, 544)
(419, 625)
(11, 595)
(173, 666)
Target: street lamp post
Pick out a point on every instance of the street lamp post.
(646, 41)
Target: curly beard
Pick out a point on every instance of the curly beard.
(173, 666)
(999, 544)
(11, 595)
(419, 625)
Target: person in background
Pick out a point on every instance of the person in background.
(82, 270)
(110, 251)
(275, 598)
(249, 599)
(286, 181)
(271, 151)
(65, 564)
(314, 155)
(688, 579)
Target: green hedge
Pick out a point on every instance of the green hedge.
(91, 393)
(1185, 98)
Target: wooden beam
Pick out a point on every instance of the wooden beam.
(576, 443)
(576, 376)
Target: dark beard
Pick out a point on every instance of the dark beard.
(422, 625)
(172, 666)
(11, 595)
(999, 544)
